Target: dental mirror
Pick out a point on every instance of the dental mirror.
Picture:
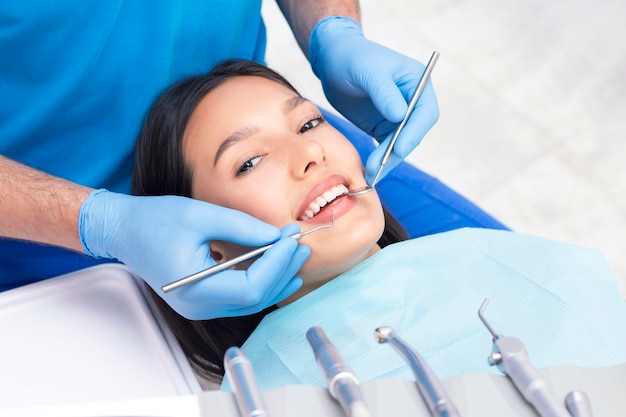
(416, 95)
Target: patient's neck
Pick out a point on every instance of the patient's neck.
(314, 280)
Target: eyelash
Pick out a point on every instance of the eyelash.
(320, 119)
(250, 164)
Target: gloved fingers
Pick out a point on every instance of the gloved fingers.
(221, 223)
(422, 119)
(290, 229)
(271, 273)
(284, 282)
(294, 284)
(236, 310)
(386, 96)
(375, 159)
(286, 285)
(245, 292)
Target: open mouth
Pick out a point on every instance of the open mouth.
(323, 200)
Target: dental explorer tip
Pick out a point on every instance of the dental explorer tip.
(481, 316)
(382, 334)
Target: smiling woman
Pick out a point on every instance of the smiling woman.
(276, 158)
(242, 137)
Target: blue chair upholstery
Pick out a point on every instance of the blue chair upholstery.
(421, 203)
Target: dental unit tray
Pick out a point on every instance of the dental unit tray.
(90, 335)
(475, 395)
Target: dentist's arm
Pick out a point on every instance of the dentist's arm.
(39, 207)
(162, 239)
(303, 15)
(367, 82)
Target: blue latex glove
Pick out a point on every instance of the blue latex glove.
(371, 85)
(166, 238)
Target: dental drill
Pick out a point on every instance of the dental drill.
(247, 393)
(431, 388)
(510, 356)
(342, 384)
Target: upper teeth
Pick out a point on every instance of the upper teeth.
(316, 205)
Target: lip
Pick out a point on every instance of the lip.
(335, 210)
(339, 205)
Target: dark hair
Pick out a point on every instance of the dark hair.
(160, 169)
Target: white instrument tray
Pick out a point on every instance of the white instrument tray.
(87, 336)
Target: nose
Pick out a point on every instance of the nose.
(306, 156)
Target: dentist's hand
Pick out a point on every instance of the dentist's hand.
(166, 238)
(371, 85)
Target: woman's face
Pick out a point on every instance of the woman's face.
(256, 146)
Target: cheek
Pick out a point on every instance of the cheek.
(343, 150)
(261, 196)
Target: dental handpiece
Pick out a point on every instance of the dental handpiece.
(342, 384)
(240, 374)
(511, 358)
(237, 260)
(431, 388)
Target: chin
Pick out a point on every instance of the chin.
(325, 265)
(334, 251)
(315, 273)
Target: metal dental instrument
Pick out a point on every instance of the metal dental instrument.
(511, 358)
(342, 384)
(247, 393)
(239, 259)
(416, 95)
(429, 385)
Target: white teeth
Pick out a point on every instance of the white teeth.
(329, 195)
(340, 190)
(321, 202)
(316, 205)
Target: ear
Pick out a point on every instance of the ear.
(216, 254)
(222, 251)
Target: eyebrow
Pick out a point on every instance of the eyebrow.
(239, 135)
(290, 104)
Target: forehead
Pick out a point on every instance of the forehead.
(238, 101)
(248, 89)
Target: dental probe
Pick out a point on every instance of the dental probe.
(247, 393)
(511, 358)
(429, 386)
(342, 384)
(239, 259)
(416, 95)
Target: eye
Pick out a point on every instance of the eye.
(249, 165)
(312, 124)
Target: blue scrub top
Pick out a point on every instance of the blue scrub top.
(77, 78)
